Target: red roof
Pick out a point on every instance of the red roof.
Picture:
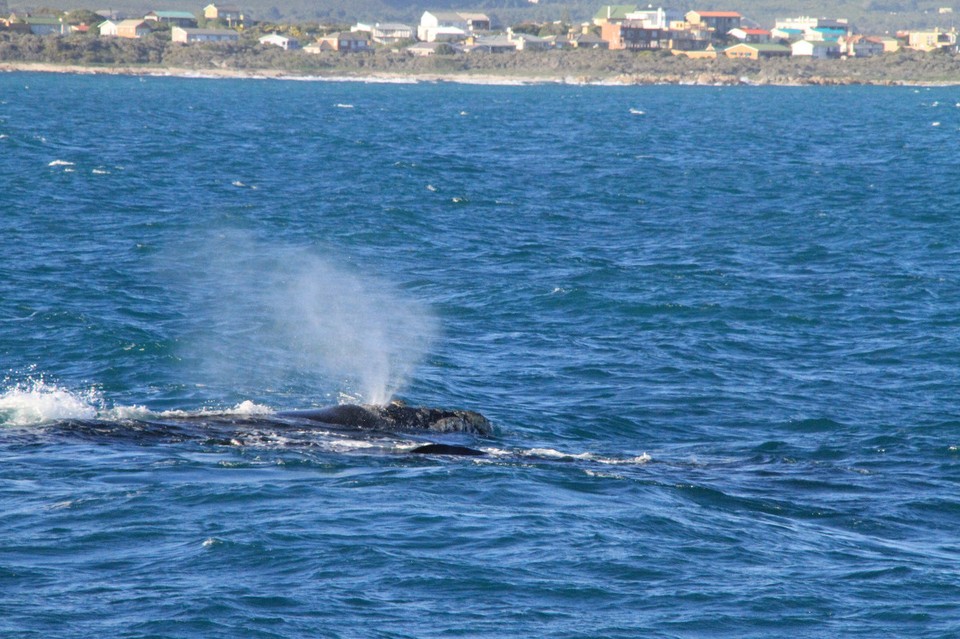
(756, 31)
(718, 14)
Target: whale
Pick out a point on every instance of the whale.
(397, 416)
(375, 422)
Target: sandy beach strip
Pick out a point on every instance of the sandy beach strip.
(280, 74)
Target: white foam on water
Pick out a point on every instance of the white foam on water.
(550, 453)
(36, 402)
(246, 408)
(61, 163)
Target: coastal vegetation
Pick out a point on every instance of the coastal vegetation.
(157, 52)
(875, 15)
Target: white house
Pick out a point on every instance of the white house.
(179, 34)
(277, 40)
(447, 24)
(815, 49)
(744, 34)
(108, 28)
(655, 18)
(391, 32)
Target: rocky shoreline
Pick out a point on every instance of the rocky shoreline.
(491, 77)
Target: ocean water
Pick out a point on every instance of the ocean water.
(718, 331)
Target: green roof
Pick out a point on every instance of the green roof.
(615, 12)
(764, 47)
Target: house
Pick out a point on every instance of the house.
(859, 46)
(656, 18)
(527, 42)
(342, 41)
(720, 22)
(44, 25)
(490, 44)
(806, 24)
(612, 13)
(133, 29)
(784, 33)
(14, 27)
(929, 40)
(446, 24)
(824, 34)
(278, 40)
(689, 42)
(391, 32)
(174, 18)
(889, 44)
(813, 49)
(744, 34)
(223, 13)
(588, 41)
(630, 34)
(755, 51)
(180, 34)
(557, 41)
(423, 49)
(108, 28)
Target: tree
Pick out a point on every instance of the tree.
(83, 16)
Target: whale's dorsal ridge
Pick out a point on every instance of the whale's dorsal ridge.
(397, 416)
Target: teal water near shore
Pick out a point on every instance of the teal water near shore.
(717, 328)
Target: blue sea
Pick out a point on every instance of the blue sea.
(717, 330)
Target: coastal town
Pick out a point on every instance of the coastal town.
(698, 34)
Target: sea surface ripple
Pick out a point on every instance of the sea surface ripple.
(717, 328)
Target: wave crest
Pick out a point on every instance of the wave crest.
(37, 401)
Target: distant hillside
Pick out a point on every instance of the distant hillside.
(871, 15)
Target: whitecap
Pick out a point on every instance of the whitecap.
(37, 402)
(551, 453)
(244, 408)
(123, 413)
(637, 112)
(100, 172)
(248, 407)
(343, 106)
(61, 163)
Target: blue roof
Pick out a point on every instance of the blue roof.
(185, 15)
